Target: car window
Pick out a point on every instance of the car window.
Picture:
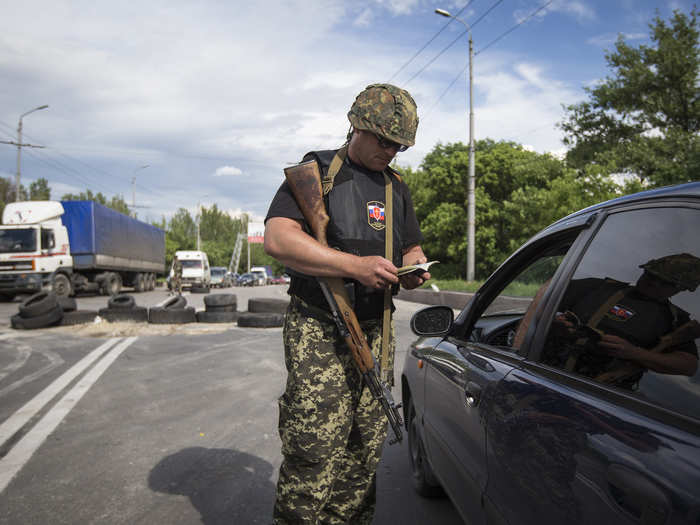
(629, 316)
(506, 318)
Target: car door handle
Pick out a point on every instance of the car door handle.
(473, 393)
(637, 495)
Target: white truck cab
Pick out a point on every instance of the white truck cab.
(195, 268)
(34, 247)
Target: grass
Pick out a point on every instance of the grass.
(515, 289)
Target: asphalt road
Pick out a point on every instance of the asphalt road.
(136, 423)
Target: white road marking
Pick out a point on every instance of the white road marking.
(18, 456)
(24, 414)
(54, 361)
(23, 353)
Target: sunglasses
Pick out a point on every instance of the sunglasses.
(386, 144)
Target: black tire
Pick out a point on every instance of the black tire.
(50, 318)
(220, 299)
(111, 285)
(78, 317)
(7, 297)
(137, 314)
(422, 477)
(278, 306)
(68, 304)
(38, 304)
(151, 282)
(121, 301)
(175, 302)
(260, 320)
(61, 285)
(199, 289)
(217, 317)
(157, 315)
(230, 308)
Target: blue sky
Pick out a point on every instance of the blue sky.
(217, 97)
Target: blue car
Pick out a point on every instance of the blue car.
(567, 390)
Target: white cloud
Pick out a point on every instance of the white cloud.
(364, 18)
(580, 10)
(227, 171)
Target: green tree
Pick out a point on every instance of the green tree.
(518, 192)
(8, 192)
(39, 190)
(644, 119)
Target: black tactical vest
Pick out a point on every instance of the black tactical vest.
(357, 225)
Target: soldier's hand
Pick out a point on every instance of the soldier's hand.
(376, 272)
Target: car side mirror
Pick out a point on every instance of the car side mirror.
(432, 321)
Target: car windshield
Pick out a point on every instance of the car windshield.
(191, 264)
(215, 272)
(21, 240)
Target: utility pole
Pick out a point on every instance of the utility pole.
(471, 180)
(19, 148)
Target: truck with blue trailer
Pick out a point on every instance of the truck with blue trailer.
(76, 246)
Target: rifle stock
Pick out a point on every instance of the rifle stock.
(305, 182)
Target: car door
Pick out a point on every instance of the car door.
(578, 435)
(465, 370)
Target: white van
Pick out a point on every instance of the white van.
(195, 268)
(261, 273)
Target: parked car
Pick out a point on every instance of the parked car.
(261, 278)
(579, 400)
(248, 279)
(279, 280)
(218, 277)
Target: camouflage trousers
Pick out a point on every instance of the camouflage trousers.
(332, 429)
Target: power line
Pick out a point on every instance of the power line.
(454, 41)
(93, 168)
(514, 27)
(429, 42)
(67, 171)
(454, 80)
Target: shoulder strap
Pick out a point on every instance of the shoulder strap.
(333, 169)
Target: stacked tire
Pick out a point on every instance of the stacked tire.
(264, 313)
(40, 310)
(219, 308)
(173, 311)
(122, 307)
(72, 316)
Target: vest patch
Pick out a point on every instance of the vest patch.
(375, 215)
(620, 313)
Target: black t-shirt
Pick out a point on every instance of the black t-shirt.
(284, 205)
(368, 303)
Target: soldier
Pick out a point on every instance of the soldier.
(177, 276)
(615, 324)
(332, 429)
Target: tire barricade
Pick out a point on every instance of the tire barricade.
(264, 313)
(219, 308)
(45, 309)
(40, 310)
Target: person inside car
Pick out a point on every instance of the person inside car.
(613, 331)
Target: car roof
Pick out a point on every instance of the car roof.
(690, 190)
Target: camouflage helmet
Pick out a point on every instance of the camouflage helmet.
(388, 111)
(681, 269)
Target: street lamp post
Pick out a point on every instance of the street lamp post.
(19, 147)
(471, 206)
(133, 184)
(199, 218)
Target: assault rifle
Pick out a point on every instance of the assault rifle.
(305, 181)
